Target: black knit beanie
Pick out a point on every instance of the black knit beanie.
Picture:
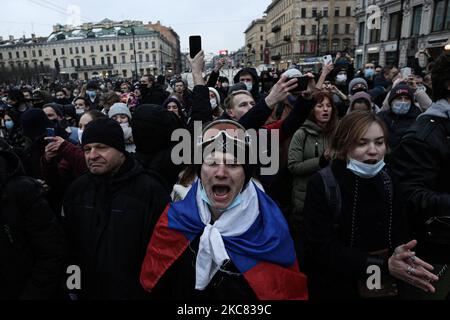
(106, 131)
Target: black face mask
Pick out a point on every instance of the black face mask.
(38, 104)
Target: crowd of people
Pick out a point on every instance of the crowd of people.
(88, 179)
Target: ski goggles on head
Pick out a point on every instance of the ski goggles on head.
(227, 130)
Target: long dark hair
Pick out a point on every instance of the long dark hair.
(319, 97)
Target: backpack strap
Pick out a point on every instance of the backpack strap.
(332, 192)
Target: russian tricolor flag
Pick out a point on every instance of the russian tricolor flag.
(264, 254)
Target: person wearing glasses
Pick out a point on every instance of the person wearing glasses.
(227, 239)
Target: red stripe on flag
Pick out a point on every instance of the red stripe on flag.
(165, 247)
(273, 282)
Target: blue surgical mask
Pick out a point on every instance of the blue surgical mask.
(237, 200)
(400, 107)
(364, 170)
(9, 124)
(369, 73)
(92, 94)
(249, 86)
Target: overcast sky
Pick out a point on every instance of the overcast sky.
(220, 23)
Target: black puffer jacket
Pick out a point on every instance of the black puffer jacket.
(333, 265)
(109, 222)
(31, 241)
(422, 166)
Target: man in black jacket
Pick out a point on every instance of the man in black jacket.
(31, 240)
(110, 213)
(152, 92)
(422, 165)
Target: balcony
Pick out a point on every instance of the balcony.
(276, 28)
(94, 68)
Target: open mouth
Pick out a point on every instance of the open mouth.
(221, 192)
(371, 161)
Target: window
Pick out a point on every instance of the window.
(64, 63)
(416, 21)
(361, 33)
(348, 11)
(375, 35)
(441, 17)
(78, 62)
(325, 12)
(10, 55)
(108, 60)
(113, 47)
(101, 48)
(115, 60)
(139, 46)
(132, 58)
(314, 12)
(40, 53)
(146, 45)
(107, 48)
(41, 64)
(141, 58)
(122, 47)
(262, 38)
(123, 59)
(72, 63)
(336, 29)
(84, 62)
(24, 54)
(82, 50)
(302, 30)
(262, 29)
(76, 50)
(153, 45)
(154, 57)
(1, 56)
(131, 46)
(62, 51)
(394, 26)
(314, 28)
(325, 29)
(54, 53)
(347, 28)
(336, 12)
(147, 57)
(102, 60)
(33, 53)
(93, 61)
(303, 12)
(92, 49)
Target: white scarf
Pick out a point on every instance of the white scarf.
(232, 223)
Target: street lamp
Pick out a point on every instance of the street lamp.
(319, 16)
(135, 58)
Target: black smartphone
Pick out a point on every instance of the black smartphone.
(302, 84)
(195, 45)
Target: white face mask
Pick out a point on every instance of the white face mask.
(127, 132)
(80, 112)
(213, 103)
(340, 78)
(80, 134)
(365, 170)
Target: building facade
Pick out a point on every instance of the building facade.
(304, 28)
(94, 50)
(255, 41)
(407, 27)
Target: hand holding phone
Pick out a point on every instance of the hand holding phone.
(302, 85)
(327, 60)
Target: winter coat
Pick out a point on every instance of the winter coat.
(398, 124)
(154, 95)
(109, 221)
(307, 145)
(32, 248)
(421, 164)
(334, 265)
